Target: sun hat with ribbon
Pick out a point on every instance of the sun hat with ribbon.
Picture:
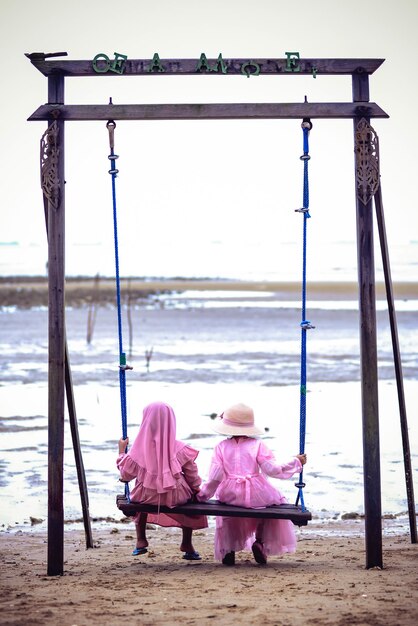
(237, 420)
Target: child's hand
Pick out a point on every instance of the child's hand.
(302, 458)
(122, 444)
(195, 494)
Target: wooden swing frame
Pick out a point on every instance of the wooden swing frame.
(360, 110)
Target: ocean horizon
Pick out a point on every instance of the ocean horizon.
(270, 260)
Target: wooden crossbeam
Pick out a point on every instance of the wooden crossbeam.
(214, 508)
(89, 112)
(179, 67)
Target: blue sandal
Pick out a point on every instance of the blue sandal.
(139, 551)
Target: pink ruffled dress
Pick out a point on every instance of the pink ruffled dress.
(237, 476)
(164, 468)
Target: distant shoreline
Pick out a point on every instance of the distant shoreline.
(27, 291)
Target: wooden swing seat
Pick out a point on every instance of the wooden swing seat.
(214, 508)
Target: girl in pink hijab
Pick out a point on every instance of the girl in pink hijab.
(238, 475)
(165, 473)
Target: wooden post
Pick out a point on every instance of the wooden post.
(398, 365)
(56, 351)
(368, 357)
(82, 483)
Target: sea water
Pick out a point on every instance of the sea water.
(276, 258)
(209, 350)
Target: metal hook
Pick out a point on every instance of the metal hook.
(111, 125)
(306, 122)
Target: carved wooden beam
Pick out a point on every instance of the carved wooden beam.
(289, 66)
(87, 112)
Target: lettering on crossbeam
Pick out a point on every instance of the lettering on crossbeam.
(119, 64)
(102, 63)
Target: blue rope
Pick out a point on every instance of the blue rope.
(122, 356)
(305, 324)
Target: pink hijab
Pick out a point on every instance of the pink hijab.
(155, 448)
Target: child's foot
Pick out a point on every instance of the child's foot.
(190, 553)
(141, 547)
(229, 559)
(258, 552)
(192, 556)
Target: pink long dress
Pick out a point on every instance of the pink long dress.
(235, 478)
(164, 468)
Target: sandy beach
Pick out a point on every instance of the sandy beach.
(324, 583)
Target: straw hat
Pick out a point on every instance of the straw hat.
(237, 420)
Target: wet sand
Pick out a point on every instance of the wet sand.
(33, 291)
(324, 583)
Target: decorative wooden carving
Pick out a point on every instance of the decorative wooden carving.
(367, 161)
(49, 165)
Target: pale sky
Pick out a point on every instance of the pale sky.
(208, 179)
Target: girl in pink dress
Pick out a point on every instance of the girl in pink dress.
(165, 473)
(236, 478)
